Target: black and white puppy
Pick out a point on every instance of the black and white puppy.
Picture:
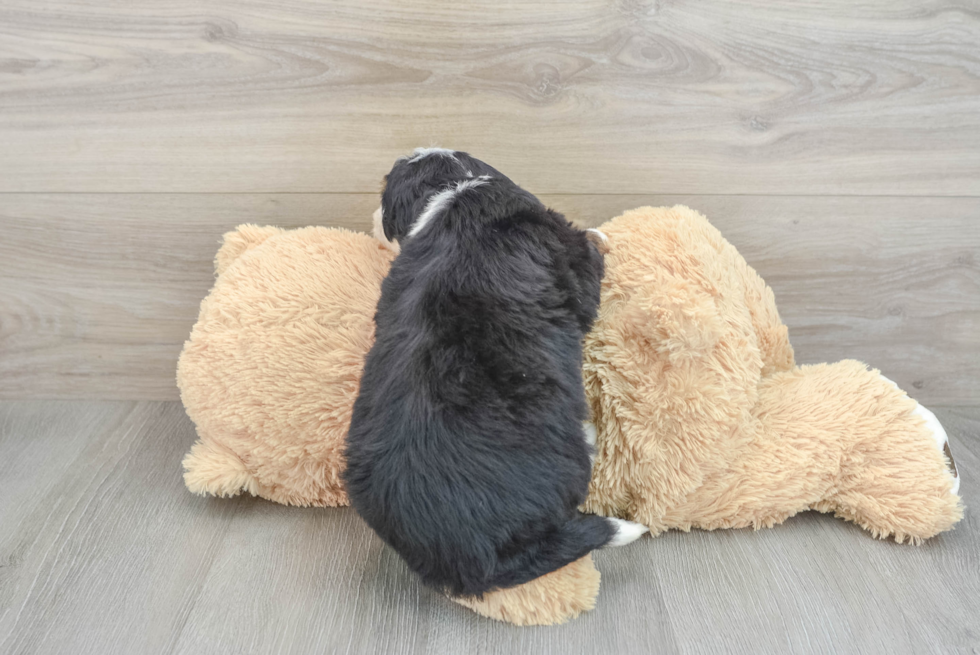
(467, 451)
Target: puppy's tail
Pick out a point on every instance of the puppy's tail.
(574, 540)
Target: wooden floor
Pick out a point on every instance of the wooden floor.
(103, 551)
(836, 143)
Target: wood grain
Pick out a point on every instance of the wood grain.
(592, 96)
(836, 144)
(99, 291)
(103, 551)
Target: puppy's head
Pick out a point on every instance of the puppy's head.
(413, 182)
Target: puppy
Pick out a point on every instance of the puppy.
(467, 451)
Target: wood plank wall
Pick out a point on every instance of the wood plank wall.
(836, 144)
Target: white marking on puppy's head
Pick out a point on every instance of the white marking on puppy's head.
(442, 200)
(436, 204)
(379, 231)
(422, 153)
(471, 184)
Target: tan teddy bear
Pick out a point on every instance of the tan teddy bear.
(703, 419)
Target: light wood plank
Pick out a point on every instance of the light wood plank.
(103, 551)
(98, 292)
(592, 96)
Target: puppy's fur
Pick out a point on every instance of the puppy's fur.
(466, 451)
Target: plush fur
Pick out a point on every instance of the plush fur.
(703, 418)
(272, 367)
(466, 451)
(550, 599)
(696, 360)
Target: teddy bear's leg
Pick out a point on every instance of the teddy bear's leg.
(836, 438)
(903, 483)
(551, 599)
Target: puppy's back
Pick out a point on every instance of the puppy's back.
(465, 450)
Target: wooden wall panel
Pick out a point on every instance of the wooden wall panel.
(99, 291)
(591, 96)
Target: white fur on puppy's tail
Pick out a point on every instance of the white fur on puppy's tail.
(626, 532)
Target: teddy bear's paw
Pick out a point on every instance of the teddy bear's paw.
(626, 532)
(942, 441)
(938, 435)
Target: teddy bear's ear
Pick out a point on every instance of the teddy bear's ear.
(239, 241)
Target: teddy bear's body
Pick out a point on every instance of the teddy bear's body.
(705, 421)
(703, 418)
(271, 369)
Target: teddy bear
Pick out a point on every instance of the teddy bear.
(703, 420)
